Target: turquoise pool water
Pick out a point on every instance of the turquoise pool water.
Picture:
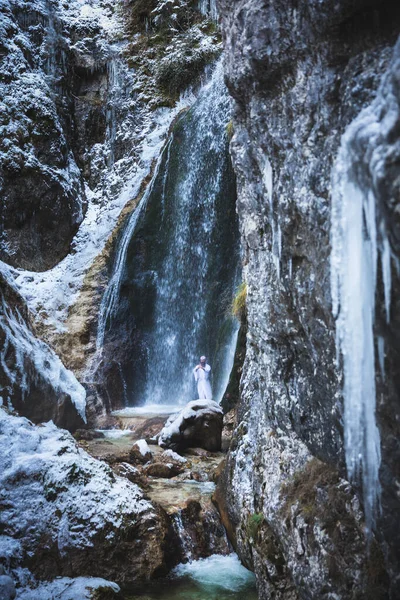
(213, 578)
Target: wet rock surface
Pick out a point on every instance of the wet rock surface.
(299, 76)
(199, 424)
(180, 485)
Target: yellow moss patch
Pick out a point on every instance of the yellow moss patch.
(238, 307)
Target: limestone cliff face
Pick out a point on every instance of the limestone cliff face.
(299, 76)
(43, 200)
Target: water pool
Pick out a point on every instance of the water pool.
(214, 578)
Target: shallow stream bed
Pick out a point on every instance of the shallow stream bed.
(213, 578)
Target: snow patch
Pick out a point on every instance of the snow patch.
(143, 447)
(64, 588)
(51, 489)
(174, 456)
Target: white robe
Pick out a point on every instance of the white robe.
(202, 378)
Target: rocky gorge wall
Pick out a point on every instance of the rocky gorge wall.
(300, 74)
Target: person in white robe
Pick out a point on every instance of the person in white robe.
(202, 374)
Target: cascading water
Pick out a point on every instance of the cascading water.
(109, 302)
(358, 235)
(176, 266)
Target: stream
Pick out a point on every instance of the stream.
(212, 578)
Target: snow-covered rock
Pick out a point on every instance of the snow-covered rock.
(140, 452)
(65, 513)
(7, 588)
(65, 588)
(33, 379)
(199, 424)
(173, 456)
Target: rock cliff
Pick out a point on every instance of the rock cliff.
(300, 76)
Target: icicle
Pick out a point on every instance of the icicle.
(386, 270)
(354, 242)
(208, 7)
(381, 355)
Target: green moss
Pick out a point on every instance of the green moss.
(229, 130)
(238, 307)
(253, 524)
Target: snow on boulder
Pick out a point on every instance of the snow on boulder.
(173, 456)
(65, 588)
(7, 588)
(70, 513)
(140, 452)
(199, 424)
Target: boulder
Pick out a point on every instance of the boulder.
(199, 452)
(171, 456)
(87, 435)
(67, 514)
(162, 470)
(140, 452)
(7, 588)
(130, 472)
(199, 424)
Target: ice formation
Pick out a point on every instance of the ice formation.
(358, 236)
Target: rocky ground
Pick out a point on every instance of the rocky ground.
(182, 485)
(72, 509)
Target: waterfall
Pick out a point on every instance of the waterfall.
(358, 235)
(176, 265)
(183, 536)
(109, 302)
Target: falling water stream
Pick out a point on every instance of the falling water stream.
(176, 266)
